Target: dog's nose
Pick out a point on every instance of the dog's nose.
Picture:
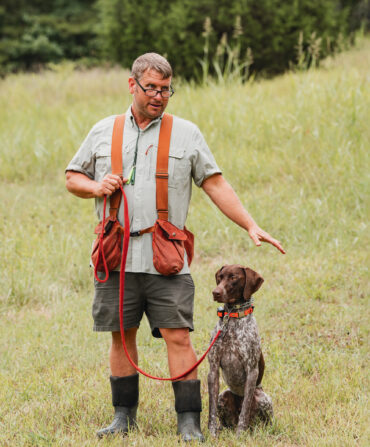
(216, 294)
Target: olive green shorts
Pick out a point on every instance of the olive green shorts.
(167, 301)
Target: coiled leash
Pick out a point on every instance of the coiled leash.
(126, 240)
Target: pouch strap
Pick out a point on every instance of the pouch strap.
(140, 232)
(116, 160)
(161, 174)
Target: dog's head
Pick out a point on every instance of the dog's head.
(236, 284)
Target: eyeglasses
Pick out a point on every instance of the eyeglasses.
(151, 92)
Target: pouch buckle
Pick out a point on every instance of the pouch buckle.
(135, 233)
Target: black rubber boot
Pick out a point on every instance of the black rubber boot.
(188, 405)
(125, 397)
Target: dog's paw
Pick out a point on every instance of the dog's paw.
(240, 430)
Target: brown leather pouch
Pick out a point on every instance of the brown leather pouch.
(112, 245)
(168, 247)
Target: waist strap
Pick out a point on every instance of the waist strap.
(140, 232)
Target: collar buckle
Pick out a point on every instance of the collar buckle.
(221, 312)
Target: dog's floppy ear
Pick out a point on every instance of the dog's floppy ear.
(253, 281)
(218, 271)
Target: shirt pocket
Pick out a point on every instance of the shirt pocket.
(179, 169)
(102, 163)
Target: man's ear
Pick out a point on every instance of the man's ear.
(218, 271)
(253, 281)
(131, 84)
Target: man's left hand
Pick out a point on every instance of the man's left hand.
(258, 235)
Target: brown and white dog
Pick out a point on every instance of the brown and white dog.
(238, 353)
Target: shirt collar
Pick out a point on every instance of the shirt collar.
(131, 117)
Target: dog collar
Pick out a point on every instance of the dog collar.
(239, 311)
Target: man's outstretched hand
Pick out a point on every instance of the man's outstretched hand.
(258, 235)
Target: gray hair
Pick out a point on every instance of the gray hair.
(151, 61)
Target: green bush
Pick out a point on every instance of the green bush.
(242, 36)
(36, 32)
(267, 29)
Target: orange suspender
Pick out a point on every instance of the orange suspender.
(162, 164)
(116, 161)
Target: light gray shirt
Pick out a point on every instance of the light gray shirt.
(189, 158)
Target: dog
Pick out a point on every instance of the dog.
(238, 353)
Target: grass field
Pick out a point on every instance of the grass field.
(296, 151)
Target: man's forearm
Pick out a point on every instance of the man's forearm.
(225, 198)
(80, 185)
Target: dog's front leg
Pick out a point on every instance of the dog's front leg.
(245, 413)
(213, 391)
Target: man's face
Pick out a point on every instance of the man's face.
(149, 107)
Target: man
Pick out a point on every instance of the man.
(166, 300)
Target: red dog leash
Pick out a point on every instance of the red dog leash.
(126, 240)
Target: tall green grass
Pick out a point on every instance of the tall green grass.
(296, 151)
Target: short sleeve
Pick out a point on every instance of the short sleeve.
(84, 159)
(203, 163)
